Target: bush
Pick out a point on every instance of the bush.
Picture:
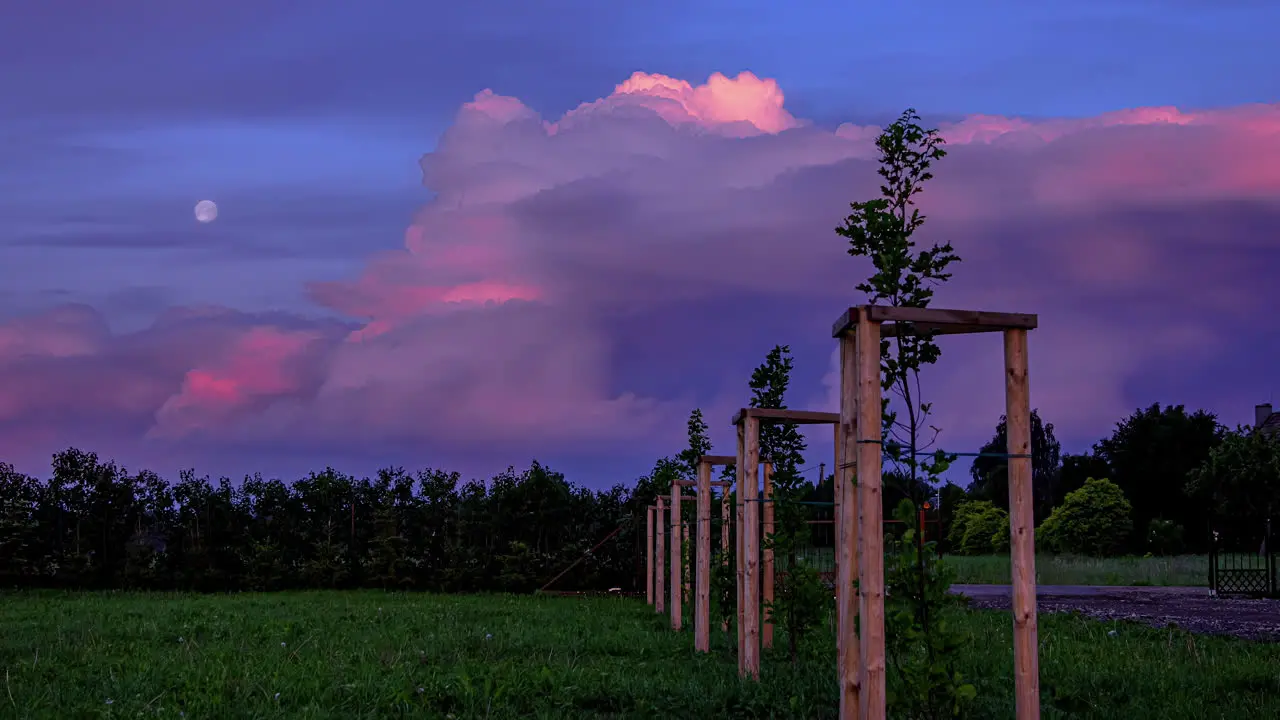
(1164, 537)
(979, 528)
(1094, 520)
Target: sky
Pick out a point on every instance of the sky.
(469, 235)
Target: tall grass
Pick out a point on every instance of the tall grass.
(370, 654)
(1180, 570)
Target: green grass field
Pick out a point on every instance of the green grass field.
(1179, 570)
(371, 654)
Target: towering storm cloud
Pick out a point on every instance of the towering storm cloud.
(576, 284)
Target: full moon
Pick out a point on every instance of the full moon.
(206, 211)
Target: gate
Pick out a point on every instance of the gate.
(1242, 559)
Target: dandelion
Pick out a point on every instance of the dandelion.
(109, 701)
(180, 640)
(1111, 633)
(421, 690)
(488, 636)
(282, 644)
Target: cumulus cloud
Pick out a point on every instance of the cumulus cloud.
(554, 247)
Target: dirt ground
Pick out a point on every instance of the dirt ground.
(1190, 609)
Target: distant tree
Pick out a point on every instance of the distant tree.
(1094, 520)
(1152, 455)
(898, 486)
(699, 443)
(22, 555)
(990, 472)
(269, 557)
(1241, 477)
(1164, 537)
(388, 561)
(1076, 469)
(950, 496)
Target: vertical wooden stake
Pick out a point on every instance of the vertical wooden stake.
(751, 548)
(848, 649)
(686, 559)
(676, 606)
(766, 629)
(871, 510)
(702, 583)
(659, 558)
(726, 507)
(648, 556)
(738, 538)
(837, 503)
(726, 521)
(1022, 552)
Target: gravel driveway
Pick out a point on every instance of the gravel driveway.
(1189, 608)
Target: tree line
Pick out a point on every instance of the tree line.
(1173, 476)
(94, 524)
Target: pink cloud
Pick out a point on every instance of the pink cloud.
(741, 106)
(259, 365)
(554, 244)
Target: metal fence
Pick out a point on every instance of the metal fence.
(1242, 559)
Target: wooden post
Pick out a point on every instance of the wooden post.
(676, 606)
(686, 559)
(726, 521)
(871, 512)
(702, 584)
(837, 503)
(848, 650)
(751, 549)
(766, 629)
(659, 558)
(648, 556)
(1022, 552)
(726, 507)
(738, 537)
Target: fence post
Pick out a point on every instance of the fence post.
(1213, 561)
(1270, 560)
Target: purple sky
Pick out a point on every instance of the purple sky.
(467, 235)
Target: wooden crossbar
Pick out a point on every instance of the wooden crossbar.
(799, 417)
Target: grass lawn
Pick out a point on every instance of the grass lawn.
(1179, 570)
(371, 654)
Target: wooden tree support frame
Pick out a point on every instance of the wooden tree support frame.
(860, 529)
(754, 591)
(702, 580)
(667, 573)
